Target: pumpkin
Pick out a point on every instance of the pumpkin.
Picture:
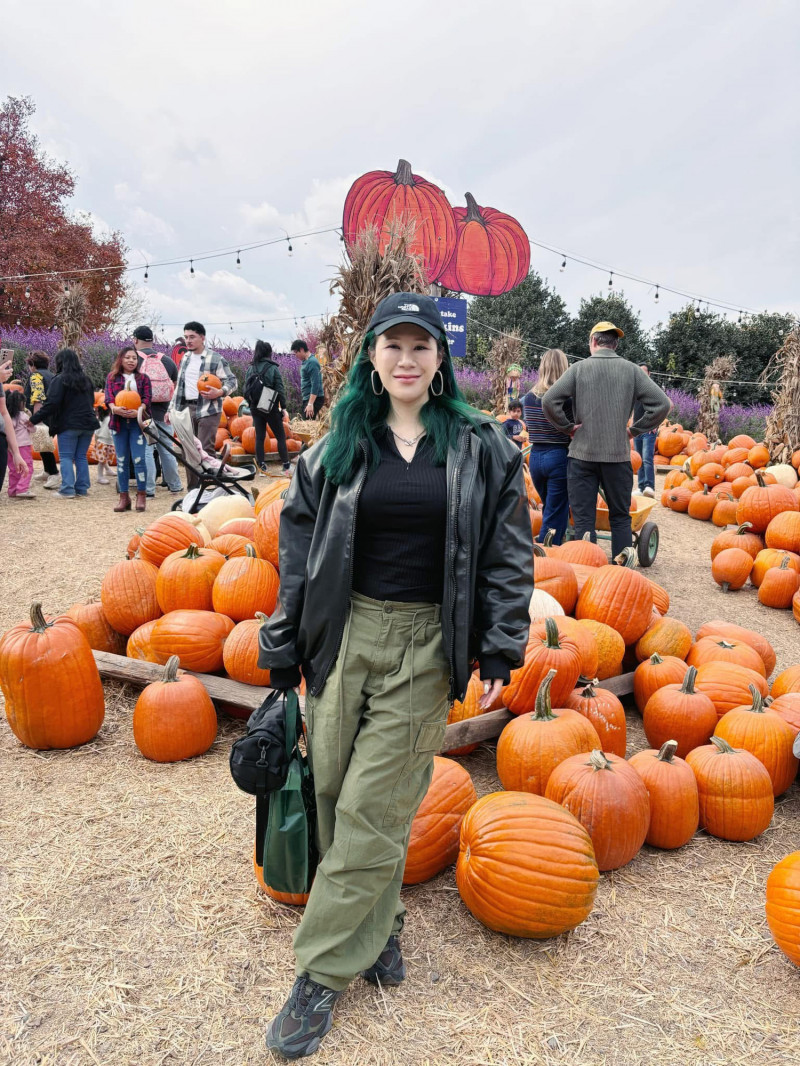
(224, 509)
(90, 618)
(128, 400)
(721, 649)
(636, 461)
(610, 801)
(702, 504)
(245, 586)
(174, 718)
(249, 440)
(583, 637)
(267, 532)
(796, 607)
(230, 545)
(675, 478)
(677, 499)
(241, 527)
(735, 455)
(783, 532)
(735, 791)
(667, 636)
(731, 568)
(758, 456)
(710, 474)
(202, 536)
(543, 605)
(237, 427)
(610, 649)
(53, 692)
(728, 684)
(724, 513)
(672, 789)
(240, 652)
(492, 253)
(741, 440)
(208, 381)
(768, 558)
(783, 905)
(779, 586)
(766, 735)
(196, 637)
(128, 595)
(620, 597)
(583, 552)
(383, 201)
(669, 441)
(139, 646)
(558, 579)
(532, 745)
(784, 474)
(133, 544)
(737, 470)
(679, 712)
(740, 484)
(749, 636)
(229, 407)
(741, 538)
(186, 579)
(653, 674)
(166, 535)
(786, 681)
(469, 707)
(660, 597)
(542, 654)
(277, 487)
(606, 713)
(526, 867)
(759, 504)
(436, 829)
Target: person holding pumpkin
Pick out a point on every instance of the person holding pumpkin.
(405, 552)
(125, 385)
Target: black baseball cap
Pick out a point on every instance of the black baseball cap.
(143, 333)
(407, 307)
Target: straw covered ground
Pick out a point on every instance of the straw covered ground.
(132, 932)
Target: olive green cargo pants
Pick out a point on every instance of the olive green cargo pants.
(372, 734)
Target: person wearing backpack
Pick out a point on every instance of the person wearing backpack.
(262, 373)
(163, 374)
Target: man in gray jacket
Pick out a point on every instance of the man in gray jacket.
(603, 391)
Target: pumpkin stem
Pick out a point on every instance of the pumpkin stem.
(784, 563)
(551, 633)
(538, 550)
(250, 551)
(403, 175)
(667, 751)
(598, 760)
(744, 528)
(722, 746)
(38, 622)
(687, 688)
(656, 659)
(548, 539)
(758, 700)
(760, 479)
(262, 618)
(171, 669)
(588, 692)
(473, 211)
(193, 552)
(725, 644)
(725, 586)
(543, 707)
(583, 681)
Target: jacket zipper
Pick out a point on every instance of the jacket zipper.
(454, 520)
(329, 667)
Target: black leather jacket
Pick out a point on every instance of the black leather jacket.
(489, 578)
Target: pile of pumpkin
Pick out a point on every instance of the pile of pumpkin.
(238, 428)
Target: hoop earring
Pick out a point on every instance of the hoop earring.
(441, 384)
(382, 390)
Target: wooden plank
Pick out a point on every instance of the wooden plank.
(474, 730)
(621, 685)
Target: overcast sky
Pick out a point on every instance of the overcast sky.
(659, 138)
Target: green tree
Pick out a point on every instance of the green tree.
(635, 345)
(537, 311)
(756, 341)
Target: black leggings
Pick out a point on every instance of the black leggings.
(275, 422)
(3, 458)
(49, 463)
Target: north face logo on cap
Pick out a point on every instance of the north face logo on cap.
(408, 307)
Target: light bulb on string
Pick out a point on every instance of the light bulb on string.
(66, 286)
(655, 298)
(739, 320)
(231, 325)
(191, 268)
(18, 322)
(107, 287)
(238, 260)
(290, 246)
(27, 293)
(563, 266)
(697, 310)
(146, 273)
(611, 280)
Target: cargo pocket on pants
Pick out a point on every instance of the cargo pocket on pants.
(414, 778)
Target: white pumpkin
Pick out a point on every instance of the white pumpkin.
(784, 474)
(222, 510)
(197, 522)
(543, 605)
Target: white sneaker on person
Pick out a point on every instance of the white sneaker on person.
(53, 482)
(649, 492)
(27, 495)
(41, 476)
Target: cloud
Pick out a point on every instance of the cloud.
(141, 224)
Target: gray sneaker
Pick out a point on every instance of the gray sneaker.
(649, 492)
(53, 481)
(307, 1015)
(388, 970)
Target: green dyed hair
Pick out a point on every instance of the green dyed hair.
(359, 414)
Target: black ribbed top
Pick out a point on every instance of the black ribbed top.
(401, 527)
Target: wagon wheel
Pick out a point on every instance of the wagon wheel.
(647, 544)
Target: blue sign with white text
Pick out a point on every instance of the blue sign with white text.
(454, 316)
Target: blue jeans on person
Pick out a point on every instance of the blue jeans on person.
(73, 445)
(646, 445)
(129, 443)
(548, 466)
(169, 464)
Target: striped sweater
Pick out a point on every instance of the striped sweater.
(541, 432)
(603, 390)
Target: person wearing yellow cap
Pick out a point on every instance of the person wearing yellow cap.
(603, 391)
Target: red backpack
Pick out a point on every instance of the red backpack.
(160, 381)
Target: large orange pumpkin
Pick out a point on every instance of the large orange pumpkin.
(728, 684)
(436, 828)
(768, 558)
(787, 681)
(542, 654)
(240, 653)
(139, 646)
(166, 535)
(267, 531)
(678, 712)
(186, 579)
(274, 488)
(230, 545)
(91, 619)
(620, 597)
(724, 650)
(492, 253)
(784, 532)
(244, 586)
(557, 578)
(196, 637)
(53, 692)
(742, 538)
(672, 788)
(606, 713)
(174, 718)
(783, 905)
(764, 734)
(731, 568)
(128, 399)
(759, 504)
(526, 866)
(128, 595)
(654, 673)
(735, 791)
(749, 636)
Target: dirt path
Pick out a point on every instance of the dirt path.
(132, 932)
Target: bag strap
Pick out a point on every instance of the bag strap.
(292, 729)
(293, 723)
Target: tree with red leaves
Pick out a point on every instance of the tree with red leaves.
(37, 234)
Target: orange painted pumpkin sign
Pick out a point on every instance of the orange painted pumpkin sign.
(492, 252)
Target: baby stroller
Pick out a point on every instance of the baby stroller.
(215, 477)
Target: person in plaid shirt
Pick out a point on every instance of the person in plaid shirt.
(205, 406)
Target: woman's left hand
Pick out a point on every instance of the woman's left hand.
(491, 692)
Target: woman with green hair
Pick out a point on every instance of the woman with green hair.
(405, 555)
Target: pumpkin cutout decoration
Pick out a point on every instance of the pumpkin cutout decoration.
(386, 201)
(436, 828)
(492, 252)
(174, 718)
(783, 905)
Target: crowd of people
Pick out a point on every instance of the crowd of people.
(64, 405)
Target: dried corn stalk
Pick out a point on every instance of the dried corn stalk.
(717, 372)
(71, 311)
(507, 349)
(782, 436)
